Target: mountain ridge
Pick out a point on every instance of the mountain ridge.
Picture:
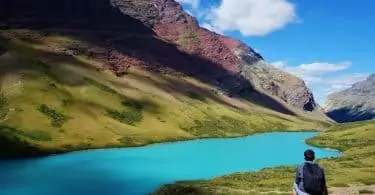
(353, 104)
(90, 74)
(167, 19)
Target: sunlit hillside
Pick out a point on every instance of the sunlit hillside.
(56, 97)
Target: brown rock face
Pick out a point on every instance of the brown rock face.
(157, 35)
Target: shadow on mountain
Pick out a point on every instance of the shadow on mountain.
(345, 115)
(104, 25)
(14, 147)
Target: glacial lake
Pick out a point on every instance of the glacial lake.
(138, 171)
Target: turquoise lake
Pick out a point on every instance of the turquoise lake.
(141, 170)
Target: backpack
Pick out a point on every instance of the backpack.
(313, 179)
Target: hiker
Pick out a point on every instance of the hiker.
(310, 177)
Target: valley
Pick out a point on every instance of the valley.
(111, 79)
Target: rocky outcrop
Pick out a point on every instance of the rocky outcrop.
(354, 104)
(158, 36)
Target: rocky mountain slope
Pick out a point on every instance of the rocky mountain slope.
(225, 62)
(354, 104)
(115, 73)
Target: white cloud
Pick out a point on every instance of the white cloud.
(324, 67)
(322, 77)
(313, 72)
(344, 82)
(193, 3)
(211, 28)
(252, 17)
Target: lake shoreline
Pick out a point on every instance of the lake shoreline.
(43, 152)
(172, 163)
(355, 143)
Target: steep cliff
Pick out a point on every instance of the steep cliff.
(354, 104)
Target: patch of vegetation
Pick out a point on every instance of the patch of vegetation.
(3, 106)
(57, 118)
(99, 85)
(131, 115)
(32, 135)
(127, 141)
(217, 127)
(66, 102)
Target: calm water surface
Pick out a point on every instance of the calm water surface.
(141, 170)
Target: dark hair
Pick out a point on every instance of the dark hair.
(309, 155)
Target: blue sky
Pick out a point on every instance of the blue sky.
(329, 44)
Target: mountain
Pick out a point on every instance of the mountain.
(230, 63)
(114, 73)
(354, 104)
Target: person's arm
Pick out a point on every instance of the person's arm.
(296, 182)
(298, 176)
(325, 183)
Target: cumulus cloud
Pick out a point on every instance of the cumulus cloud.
(322, 77)
(313, 72)
(323, 67)
(193, 3)
(252, 17)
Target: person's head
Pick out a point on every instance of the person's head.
(309, 155)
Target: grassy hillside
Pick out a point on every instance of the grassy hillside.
(355, 140)
(54, 99)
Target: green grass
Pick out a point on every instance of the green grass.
(129, 117)
(32, 135)
(132, 115)
(56, 117)
(55, 94)
(356, 166)
(217, 127)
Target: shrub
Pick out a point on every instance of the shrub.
(131, 115)
(57, 118)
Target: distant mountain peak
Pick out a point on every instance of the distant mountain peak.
(354, 104)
